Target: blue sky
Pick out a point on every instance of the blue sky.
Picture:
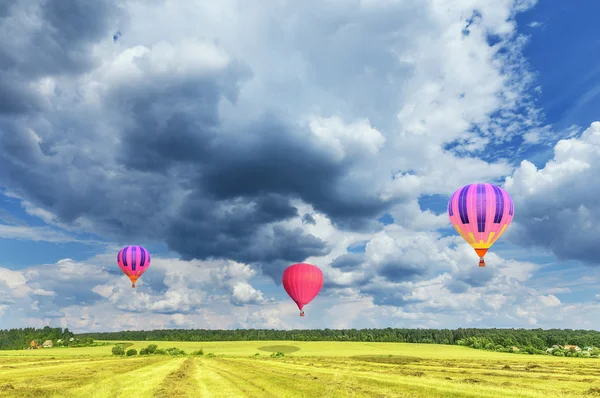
(236, 148)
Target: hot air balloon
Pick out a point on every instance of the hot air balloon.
(133, 261)
(480, 213)
(302, 282)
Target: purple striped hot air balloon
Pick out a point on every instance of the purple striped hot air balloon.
(133, 261)
(481, 213)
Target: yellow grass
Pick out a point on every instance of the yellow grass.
(313, 369)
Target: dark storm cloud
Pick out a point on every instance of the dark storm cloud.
(397, 270)
(561, 227)
(397, 296)
(63, 43)
(239, 178)
(472, 277)
(456, 287)
(5, 7)
(57, 46)
(308, 219)
(204, 229)
(348, 261)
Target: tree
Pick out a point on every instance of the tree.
(118, 350)
(131, 352)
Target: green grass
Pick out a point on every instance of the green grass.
(309, 369)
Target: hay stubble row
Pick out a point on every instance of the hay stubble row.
(343, 370)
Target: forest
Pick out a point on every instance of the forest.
(534, 340)
(14, 339)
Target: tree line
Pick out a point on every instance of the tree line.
(539, 339)
(15, 339)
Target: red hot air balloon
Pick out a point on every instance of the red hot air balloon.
(302, 282)
(133, 261)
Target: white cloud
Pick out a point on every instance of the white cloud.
(550, 301)
(244, 293)
(42, 292)
(556, 205)
(381, 87)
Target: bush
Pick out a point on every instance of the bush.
(118, 350)
(210, 355)
(144, 351)
(277, 355)
(160, 351)
(151, 348)
(174, 351)
(198, 353)
(558, 353)
(131, 352)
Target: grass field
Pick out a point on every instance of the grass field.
(309, 369)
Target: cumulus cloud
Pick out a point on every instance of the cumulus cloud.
(247, 140)
(557, 204)
(189, 134)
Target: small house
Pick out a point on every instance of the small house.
(47, 344)
(32, 345)
(550, 350)
(572, 347)
(515, 349)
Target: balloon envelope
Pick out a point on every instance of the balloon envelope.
(481, 213)
(302, 282)
(133, 261)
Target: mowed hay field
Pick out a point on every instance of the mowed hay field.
(309, 369)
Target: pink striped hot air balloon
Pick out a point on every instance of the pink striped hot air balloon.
(481, 213)
(302, 282)
(133, 261)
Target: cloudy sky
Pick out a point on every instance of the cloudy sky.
(234, 138)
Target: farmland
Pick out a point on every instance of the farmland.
(309, 369)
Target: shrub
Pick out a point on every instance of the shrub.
(210, 355)
(174, 351)
(198, 353)
(151, 348)
(144, 351)
(131, 352)
(118, 350)
(160, 351)
(277, 355)
(558, 353)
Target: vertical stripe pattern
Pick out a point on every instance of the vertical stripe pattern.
(499, 205)
(481, 213)
(462, 204)
(481, 207)
(133, 261)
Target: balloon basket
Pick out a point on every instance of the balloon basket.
(302, 313)
(481, 263)
(133, 285)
